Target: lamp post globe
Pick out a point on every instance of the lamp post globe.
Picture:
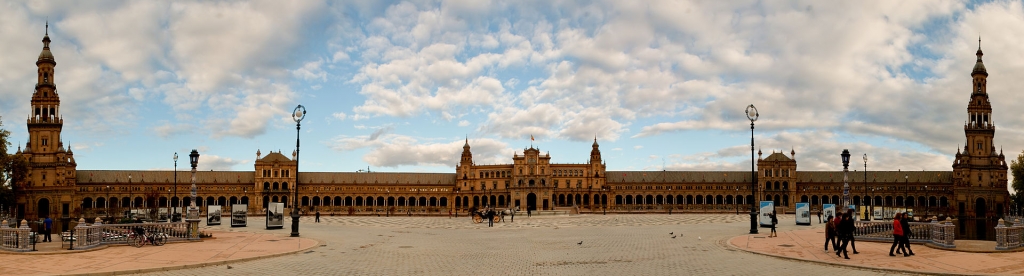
(297, 115)
(752, 115)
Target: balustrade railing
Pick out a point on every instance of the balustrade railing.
(87, 236)
(1008, 237)
(937, 233)
(15, 239)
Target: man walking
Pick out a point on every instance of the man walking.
(47, 228)
(317, 216)
(819, 216)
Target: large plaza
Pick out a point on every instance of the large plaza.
(539, 245)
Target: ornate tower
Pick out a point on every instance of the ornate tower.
(465, 167)
(979, 173)
(597, 167)
(51, 177)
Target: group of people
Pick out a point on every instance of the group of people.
(839, 232)
(901, 235)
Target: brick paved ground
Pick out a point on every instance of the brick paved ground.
(612, 245)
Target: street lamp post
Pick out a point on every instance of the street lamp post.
(297, 115)
(846, 182)
(108, 202)
(927, 202)
(866, 216)
(174, 214)
(752, 116)
(387, 212)
(193, 210)
(131, 196)
(906, 188)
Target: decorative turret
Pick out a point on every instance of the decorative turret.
(595, 153)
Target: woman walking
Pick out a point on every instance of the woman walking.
(846, 228)
(897, 235)
(905, 224)
(775, 220)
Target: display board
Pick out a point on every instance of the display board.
(864, 212)
(239, 213)
(275, 215)
(828, 210)
(767, 207)
(877, 213)
(213, 215)
(856, 215)
(803, 213)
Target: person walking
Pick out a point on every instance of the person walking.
(775, 220)
(897, 235)
(819, 216)
(490, 217)
(47, 229)
(317, 216)
(830, 234)
(528, 213)
(514, 214)
(853, 244)
(905, 224)
(845, 230)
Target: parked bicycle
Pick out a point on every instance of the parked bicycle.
(139, 237)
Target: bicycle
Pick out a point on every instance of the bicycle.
(139, 237)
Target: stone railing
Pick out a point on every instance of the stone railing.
(1009, 237)
(15, 239)
(937, 233)
(89, 236)
(943, 234)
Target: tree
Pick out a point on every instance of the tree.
(12, 170)
(1017, 171)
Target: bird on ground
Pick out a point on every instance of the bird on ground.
(698, 238)
(673, 237)
(580, 243)
(671, 233)
(229, 267)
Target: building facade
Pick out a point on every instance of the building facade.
(974, 191)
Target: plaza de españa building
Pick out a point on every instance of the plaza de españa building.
(974, 191)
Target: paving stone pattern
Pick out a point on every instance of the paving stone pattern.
(549, 245)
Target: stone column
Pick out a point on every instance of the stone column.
(23, 238)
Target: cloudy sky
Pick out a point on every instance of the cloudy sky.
(398, 86)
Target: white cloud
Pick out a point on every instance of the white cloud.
(339, 115)
(311, 71)
(218, 163)
(463, 123)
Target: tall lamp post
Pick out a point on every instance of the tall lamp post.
(297, 115)
(131, 196)
(927, 202)
(108, 202)
(752, 116)
(867, 211)
(846, 182)
(173, 214)
(193, 210)
(906, 188)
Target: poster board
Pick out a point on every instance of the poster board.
(239, 213)
(864, 212)
(275, 215)
(828, 210)
(877, 213)
(803, 213)
(767, 207)
(856, 215)
(213, 215)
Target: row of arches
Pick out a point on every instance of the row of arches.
(682, 199)
(565, 200)
(275, 186)
(140, 202)
(900, 201)
(361, 201)
(481, 201)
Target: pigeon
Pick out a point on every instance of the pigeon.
(673, 237)
(580, 243)
(698, 238)
(229, 267)
(671, 233)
